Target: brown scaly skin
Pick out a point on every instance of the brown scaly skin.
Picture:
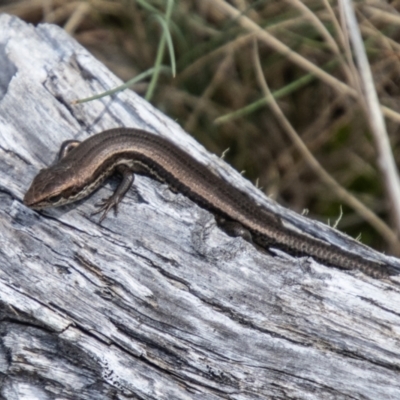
(83, 167)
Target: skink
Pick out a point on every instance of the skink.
(83, 166)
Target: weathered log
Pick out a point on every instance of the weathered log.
(158, 302)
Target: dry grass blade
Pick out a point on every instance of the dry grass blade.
(280, 47)
(217, 79)
(77, 17)
(385, 157)
(333, 185)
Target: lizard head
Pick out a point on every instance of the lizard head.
(51, 187)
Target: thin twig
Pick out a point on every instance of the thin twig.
(386, 160)
(76, 18)
(296, 58)
(209, 91)
(336, 188)
(320, 27)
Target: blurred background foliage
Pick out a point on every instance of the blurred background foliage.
(217, 95)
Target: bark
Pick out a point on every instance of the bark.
(158, 302)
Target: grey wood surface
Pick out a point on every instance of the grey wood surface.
(157, 302)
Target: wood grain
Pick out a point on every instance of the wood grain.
(158, 303)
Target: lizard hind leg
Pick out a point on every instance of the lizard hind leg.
(234, 229)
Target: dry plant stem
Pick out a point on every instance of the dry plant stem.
(355, 82)
(77, 17)
(387, 43)
(47, 6)
(198, 64)
(335, 22)
(235, 44)
(319, 26)
(280, 47)
(340, 192)
(182, 97)
(380, 71)
(324, 125)
(373, 32)
(62, 12)
(386, 161)
(383, 16)
(217, 79)
(244, 7)
(352, 74)
(24, 9)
